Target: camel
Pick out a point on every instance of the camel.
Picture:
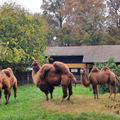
(48, 76)
(8, 80)
(99, 77)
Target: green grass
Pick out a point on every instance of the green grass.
(31, 105)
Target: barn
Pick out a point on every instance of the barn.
(76, 57)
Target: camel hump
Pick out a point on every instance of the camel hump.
(9, 69)
(7, 73)
(95, 69)
(44, 70)
(105, 68)
(60, 67)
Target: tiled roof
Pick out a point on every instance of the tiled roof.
(89, 53)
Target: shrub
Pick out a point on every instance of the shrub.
(113, 67)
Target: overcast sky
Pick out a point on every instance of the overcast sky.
(32, 5)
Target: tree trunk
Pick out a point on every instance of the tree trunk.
(61, 38)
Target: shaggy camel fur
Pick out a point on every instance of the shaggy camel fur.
(8, 80)
(99, 77)
(48, 76)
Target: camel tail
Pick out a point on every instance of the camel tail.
(73, 77)
(117, 79)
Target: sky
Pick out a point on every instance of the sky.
(32, 5)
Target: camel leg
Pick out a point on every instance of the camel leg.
(70, 90)
(47, 98)
(9, 95)
(115, 90)
(111, 91)
(44, 87)
(6, 99)
(51, 91)
(0, 95)
(95, 90)
(64, 93)
(7, 92)
(0, 91)
(15, 92)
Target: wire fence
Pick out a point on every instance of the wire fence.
(24, 77)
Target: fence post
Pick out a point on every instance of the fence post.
(28, 77)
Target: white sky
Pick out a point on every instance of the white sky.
(32, 5)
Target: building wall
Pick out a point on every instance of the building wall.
(76, 65)
(75, 69)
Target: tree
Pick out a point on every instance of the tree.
(24, 36)
(55, 13)
(113, 22)
(114, 12)
(69, 35)
(56, 10)
(88, 19)
(112, 36)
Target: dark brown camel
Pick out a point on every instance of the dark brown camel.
(99, 77)
(48, 76)
(8, 80)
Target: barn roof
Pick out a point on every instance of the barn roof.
(90, 53)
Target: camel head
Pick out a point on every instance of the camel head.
(36, 65)
(83, 71)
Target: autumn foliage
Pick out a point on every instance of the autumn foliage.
(91, 21)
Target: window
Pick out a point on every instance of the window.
(74, 70)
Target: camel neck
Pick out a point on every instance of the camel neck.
(85, 80)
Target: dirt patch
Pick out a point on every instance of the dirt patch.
(83, 103)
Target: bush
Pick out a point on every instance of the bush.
(113, 67)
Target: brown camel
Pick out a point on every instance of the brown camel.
(8, 80)
(99, 77)
(48, 76)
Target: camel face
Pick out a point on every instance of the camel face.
(36, 65)
(36, 62)
(82, 71)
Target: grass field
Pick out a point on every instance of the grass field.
(31, 105)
